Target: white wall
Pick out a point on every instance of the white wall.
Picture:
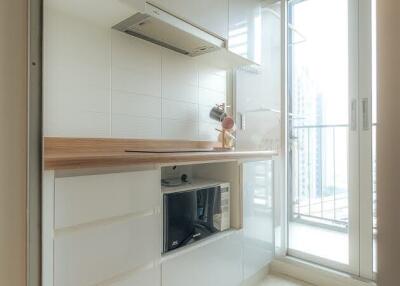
(102, 83)
(13, 138)
(388, 137)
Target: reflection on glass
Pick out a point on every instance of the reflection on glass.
(258, 230)
(374, 124)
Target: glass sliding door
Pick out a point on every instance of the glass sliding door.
(319, 128)
(330, 133)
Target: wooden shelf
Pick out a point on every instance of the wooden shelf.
(77, 153)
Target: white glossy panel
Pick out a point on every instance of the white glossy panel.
(180, 110)
(79, 99)
(218, 263)
(257, 216)
(68, 123)
(136, 81)
(91, 255)
(136, 54)
(136, 104)
(262, 90)
(62, 32)
(176, 90)
(148, 277)
(178, 129)
(179, 77)
(245, 29)
(86, 199)
(76, 77)
(130, 126)
(212, 81)
(179, 67)
(210, 97)
(210, 15)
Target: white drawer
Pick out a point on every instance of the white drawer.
(85, 199)
(87, 256)
(218, 263)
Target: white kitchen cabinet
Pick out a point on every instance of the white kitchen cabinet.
(102, 229)
(258, 234)
(94, 254)
(245, 29)
(85, 199)
(210, 15)
(218, 263)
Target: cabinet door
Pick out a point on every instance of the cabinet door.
(96, 253)
(258, 238)
(258, 110)
(245, 29)
(218, 263)
(85, 199)
(211, 15)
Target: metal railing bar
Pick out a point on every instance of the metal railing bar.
(308, 171)
(333, 226)
(334, 173)
(320, 171)
(313, 207)
(325, 219)
(298, 176)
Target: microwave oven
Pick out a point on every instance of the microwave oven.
(195, 214)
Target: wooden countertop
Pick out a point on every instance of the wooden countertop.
(76, 153)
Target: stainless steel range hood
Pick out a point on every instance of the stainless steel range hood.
(163, 28)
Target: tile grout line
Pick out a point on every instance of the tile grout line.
(162, 93)
(111, 85)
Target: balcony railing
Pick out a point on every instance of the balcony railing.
(319, 175)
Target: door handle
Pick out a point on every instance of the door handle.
(365, 113)
(353, 115)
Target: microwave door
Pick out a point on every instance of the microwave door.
(207, 200)
(180, 212)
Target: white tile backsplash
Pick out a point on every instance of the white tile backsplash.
(176, 90)
(131, 126)
(136, 81)
(137, 55)
(67, 123)
(207, 131)
(204, 114)
(212, 81)
(102, 83)
(179, 110)
(83, 99)
(210, 97)
(177, 67)
(136, 104)
(180, 129)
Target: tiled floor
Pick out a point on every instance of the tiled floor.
(275, 280)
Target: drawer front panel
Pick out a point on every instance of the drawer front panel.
(218, 263)
(86, 256)
(84, 199)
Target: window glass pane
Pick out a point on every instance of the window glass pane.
(318, 127)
